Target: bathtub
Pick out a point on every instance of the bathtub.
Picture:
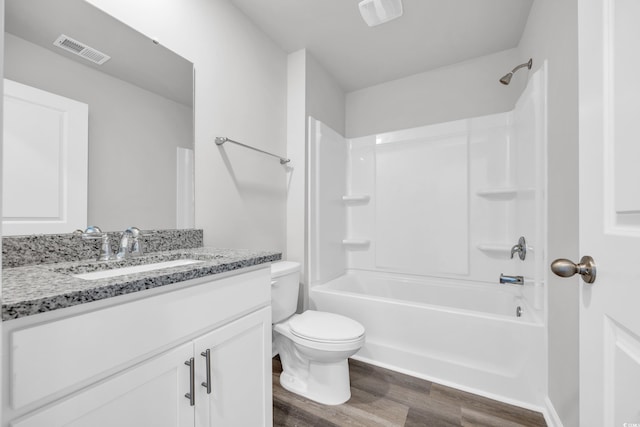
(463, 335)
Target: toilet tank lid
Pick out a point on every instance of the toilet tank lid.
(284, 267)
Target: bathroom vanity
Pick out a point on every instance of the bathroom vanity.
(188, 345)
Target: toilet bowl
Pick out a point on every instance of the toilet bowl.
(314, 346)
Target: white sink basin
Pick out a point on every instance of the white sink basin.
(103, 274)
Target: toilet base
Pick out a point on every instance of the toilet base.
(326, 383)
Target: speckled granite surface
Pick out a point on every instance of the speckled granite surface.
(40, 288)
(19, 251)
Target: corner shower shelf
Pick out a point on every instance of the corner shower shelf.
(356, 242)
(356, 198)
(495, 249)
(504, 193)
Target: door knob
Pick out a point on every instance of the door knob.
(586, 268)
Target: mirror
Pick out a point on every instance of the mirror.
(140, 109)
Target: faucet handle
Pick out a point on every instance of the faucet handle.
(137, 249)
(93, 233)
(134, 231)
(520, 248)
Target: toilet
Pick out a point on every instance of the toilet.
(314, 346)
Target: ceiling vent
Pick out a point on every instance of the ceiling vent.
(376, 12)
(81, 49)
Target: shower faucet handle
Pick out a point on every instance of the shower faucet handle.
(520, 249)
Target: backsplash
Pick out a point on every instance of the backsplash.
(18, 251)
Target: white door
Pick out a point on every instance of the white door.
(609, 37)
(149, 394)
(239, 376)
(44, 165)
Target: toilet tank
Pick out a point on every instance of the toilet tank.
(285, 282)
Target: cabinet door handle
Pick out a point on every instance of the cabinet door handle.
(207, 356)
(192, 382)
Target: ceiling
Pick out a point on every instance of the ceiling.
(429, 35)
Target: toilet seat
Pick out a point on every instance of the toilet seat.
(323, 327)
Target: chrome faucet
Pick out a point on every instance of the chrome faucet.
(520, 249)
(512, 280)
(93, 233)
(130, 244)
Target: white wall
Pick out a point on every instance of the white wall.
(311, 91)
(297, 231)
(467, 89)
(133, 136)
(551, 33)
(296, 152)
(325, 98)
(241, 92)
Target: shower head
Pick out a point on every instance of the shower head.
(506, 79)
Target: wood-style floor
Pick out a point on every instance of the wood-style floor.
(380, 397)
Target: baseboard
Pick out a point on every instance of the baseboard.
(550, 415)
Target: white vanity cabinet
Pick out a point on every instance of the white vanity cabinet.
(235, 397)
(124, 364)
(151, 394)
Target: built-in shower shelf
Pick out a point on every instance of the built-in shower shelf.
(495, 249)
(356, 242)
(356, 198)
(503, 193)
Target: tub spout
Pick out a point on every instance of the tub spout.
(513, 280)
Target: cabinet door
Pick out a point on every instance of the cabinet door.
(149, 394)
(240, 375)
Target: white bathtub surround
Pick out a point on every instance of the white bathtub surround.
(327, 225)
(530, 135)
(421, 200)
(446, 200)
(430, 215)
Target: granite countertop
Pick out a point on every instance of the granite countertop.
(40, 288)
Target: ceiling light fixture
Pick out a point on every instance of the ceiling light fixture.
(376, 12)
